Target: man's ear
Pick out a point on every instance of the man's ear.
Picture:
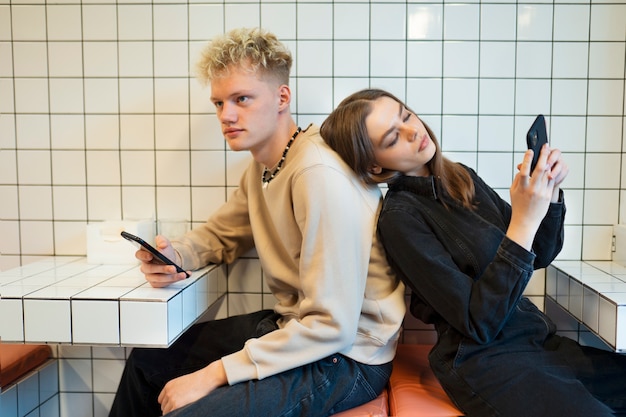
(284, 95)
(375, 169)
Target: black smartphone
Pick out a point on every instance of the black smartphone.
(536, 137)
(158, 255)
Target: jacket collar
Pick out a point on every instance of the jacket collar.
(424, 186)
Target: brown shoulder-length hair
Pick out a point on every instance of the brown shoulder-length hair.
(345, 131)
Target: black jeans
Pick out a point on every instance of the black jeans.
(528, 371)
(322, 388)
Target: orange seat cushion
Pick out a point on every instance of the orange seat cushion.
(413, 388)
(17, 360)
(378, 407)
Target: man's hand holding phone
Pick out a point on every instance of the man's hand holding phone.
(156, 263)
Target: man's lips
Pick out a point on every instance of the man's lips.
(231, 132)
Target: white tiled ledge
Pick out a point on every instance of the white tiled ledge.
(67, 300)
(594, 292)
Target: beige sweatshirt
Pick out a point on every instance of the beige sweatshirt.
(313, 228)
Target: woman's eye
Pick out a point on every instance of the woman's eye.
(408, 116)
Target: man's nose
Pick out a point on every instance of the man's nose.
(227, 113)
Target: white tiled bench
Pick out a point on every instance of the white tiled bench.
(593, 292)
(67, 300)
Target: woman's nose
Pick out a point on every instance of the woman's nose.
(410, 133)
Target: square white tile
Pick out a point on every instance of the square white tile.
(47, 320)
(35, 202)
(32, 132)
(351, 20)
(28, 22)
(496, 96)
(101, 95)
(100, 59)
(459, 133)
(208, 168)
(103, 167)
(170, 21)
(570, 59)
(103, 202)
(460, 96)
(497, 22)
(205, 21)
(569, 97)
(571, 22)
(173, 202)
(424, 87)
(31, 96)
(171, 131)
(461, 21)
(137, 131)
(99, 22)
(534, 22)
(604, 60)
(607, 22)
(102, 131)
(171, 59)
(606, 97)
(424, 59)
(314, 20)
(602, 170)
(67, 131)
(172, 168)
(29, 59)
(241, 15)
(95, 321)
(497, 59)
(136, 59)
(350, 58)
(387, 21)
(64, 22)
(460, 59)
(66, 95)
(171, 95)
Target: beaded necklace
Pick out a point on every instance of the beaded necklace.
(264, 178)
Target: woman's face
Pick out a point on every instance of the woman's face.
(401, 142)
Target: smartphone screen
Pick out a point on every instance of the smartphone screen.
(536, 137)
(158, 255)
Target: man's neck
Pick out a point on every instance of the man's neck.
(272, 150)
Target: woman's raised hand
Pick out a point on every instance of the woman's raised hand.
(531, 193)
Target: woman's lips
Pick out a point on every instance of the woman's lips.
(424, 143)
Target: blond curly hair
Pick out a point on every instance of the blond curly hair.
(252, 49)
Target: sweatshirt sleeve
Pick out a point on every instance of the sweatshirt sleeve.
(336, 224)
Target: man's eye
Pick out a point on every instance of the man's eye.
(218, 104)
(242, 99)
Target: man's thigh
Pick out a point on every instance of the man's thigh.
(322, 388)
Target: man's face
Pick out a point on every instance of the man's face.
(247, 108)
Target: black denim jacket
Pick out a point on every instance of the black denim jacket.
(462, 269)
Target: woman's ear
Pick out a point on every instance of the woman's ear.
(375, 169)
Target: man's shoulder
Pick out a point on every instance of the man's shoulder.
(314, 150)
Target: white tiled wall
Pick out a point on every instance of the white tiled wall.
(100, 118)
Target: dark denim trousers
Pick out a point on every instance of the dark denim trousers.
(527, 372)
(322, 388)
